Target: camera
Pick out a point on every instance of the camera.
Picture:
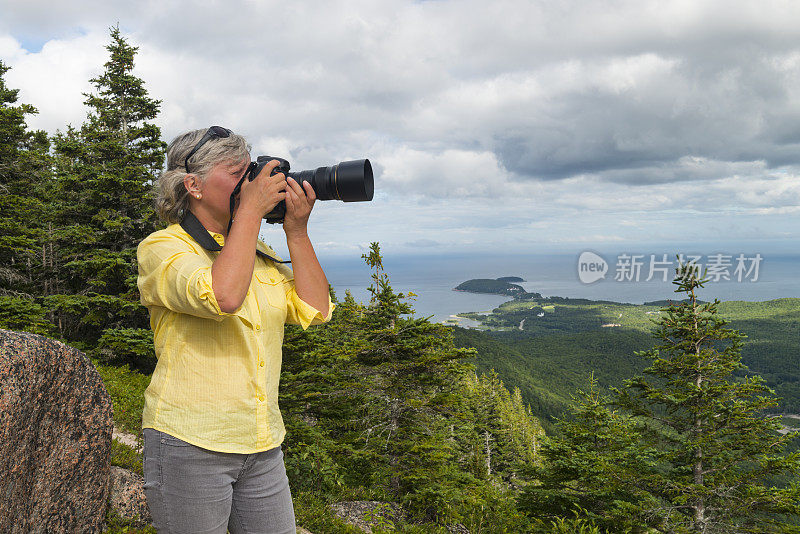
(348, 181)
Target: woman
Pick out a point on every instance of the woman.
(211, 423)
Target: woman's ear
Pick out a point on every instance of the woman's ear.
(192, 184)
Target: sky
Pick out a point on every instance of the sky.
(503, 127)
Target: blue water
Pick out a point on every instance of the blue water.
(433, 280)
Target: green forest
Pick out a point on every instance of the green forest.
(562, 342)
(545, 421)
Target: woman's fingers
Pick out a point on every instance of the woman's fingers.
(306, 190)
(298, 202)
(268, 168)
(290, 197)
(310, 193)
(293, 185)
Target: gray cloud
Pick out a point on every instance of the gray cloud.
(623, 90)
(547, 113)
(423, 243)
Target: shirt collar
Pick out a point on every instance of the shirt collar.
(219, 238)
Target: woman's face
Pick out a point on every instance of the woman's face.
(218, 186)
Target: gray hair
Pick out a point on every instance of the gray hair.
(172, 198)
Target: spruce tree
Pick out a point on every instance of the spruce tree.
(506, 435)
(692, 450)
(717, 450)
(24, 179)
(412, 378)
(382, 402)
(105, 176)
(595, 465)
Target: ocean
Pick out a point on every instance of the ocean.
(432, 279)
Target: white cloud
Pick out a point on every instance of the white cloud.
(510, 122)
(54, 79)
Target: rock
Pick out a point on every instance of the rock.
(366, 514)
(128, 439)
(127, 496)
(55, 437)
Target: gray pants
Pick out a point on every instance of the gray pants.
(191, 490)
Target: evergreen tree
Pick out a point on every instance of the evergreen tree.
(411, 373)
(24, 224)
(716, 449)
(383, 403)
(596, 466)
(105, 176)
(694, 452)
(507, 436)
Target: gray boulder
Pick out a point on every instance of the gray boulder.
(55, 437)
(128, 498)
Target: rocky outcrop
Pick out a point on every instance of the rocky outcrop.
(368, 514)
(55, 437)
(128, 498)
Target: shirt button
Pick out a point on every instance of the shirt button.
(261, 364)
(261, 398)
(258, 327)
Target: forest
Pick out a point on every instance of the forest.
(561, 343)
(557, 425)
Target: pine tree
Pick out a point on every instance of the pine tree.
(105, 176)
(594, 466)
(507, 436)
(411, 381)
(692, 451)
(717, 451)
(383, 402)
(24, 178)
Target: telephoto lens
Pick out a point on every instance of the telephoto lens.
(348, 181)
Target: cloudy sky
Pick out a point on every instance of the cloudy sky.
(504, 126)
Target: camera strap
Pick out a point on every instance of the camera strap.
(192, 225)
(248, 175)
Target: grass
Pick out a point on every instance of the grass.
(126, 457)
(126, 389)
(119, 525)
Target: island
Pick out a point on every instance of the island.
(493, 286)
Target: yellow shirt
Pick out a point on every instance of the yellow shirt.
(216, 381)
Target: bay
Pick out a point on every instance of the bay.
(432, 279)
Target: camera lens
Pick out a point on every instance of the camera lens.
(353, 180)
(349, 181)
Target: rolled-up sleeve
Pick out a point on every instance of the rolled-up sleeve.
(300, 312)
(174, 276)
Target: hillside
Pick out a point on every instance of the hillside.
(550, 349)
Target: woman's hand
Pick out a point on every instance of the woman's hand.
(298, 208)
(264, 193)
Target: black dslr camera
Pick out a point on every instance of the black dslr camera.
(348, 181)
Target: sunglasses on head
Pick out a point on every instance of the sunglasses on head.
(211, 133)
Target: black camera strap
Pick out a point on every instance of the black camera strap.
(192, 225)
(248, 175)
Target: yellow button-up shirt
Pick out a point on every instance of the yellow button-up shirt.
(216, 381)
